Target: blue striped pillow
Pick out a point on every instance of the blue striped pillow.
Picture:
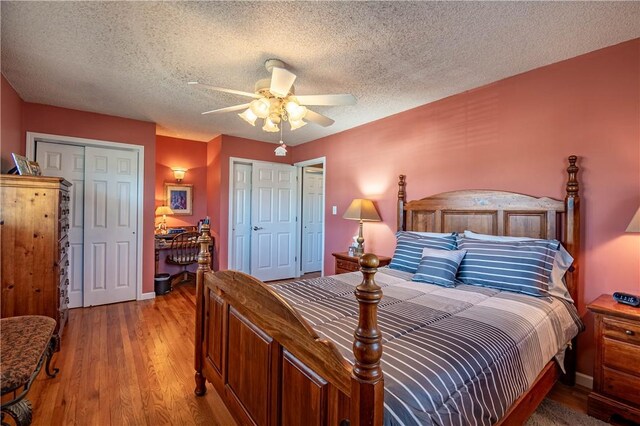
(409, 248)
(439, 267)
(519, 266)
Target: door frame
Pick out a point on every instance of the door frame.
(70, 140)
(300, 165)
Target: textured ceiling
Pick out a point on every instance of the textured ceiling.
(134, 59)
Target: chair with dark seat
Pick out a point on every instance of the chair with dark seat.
(184, 252)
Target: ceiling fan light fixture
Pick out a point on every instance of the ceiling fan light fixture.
(294, 111)
(249, 116)
(296, 124)
(270, 126)
(275, 118)
(260, 107)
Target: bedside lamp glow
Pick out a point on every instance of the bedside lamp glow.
(163, 211)
(364, 211)
(634, 225)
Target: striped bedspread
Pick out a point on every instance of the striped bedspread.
(451, 356)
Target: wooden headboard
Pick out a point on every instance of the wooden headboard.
(500, 213)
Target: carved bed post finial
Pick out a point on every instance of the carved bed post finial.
(367, 382)
(572, 182)
(204, 260)
(402, 197)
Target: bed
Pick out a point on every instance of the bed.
(312, 353)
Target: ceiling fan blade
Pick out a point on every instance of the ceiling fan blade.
(228, 109)
(222, 89)
(320, 119)
(281, 81)
(342, 99)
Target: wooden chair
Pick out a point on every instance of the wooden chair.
(184, 252)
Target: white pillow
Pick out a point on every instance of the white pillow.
(561, 263)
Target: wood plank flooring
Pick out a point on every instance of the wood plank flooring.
(128, 364)
(132, 364)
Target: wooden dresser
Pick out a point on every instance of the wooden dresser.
(346, 263)
(34, 224)
(616, 373)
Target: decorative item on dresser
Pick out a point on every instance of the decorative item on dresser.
(346, 263)
(270, 366)
(35, 264)
(616, 369)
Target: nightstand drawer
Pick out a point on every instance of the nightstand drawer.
(621, 330)
(346, 265)
(621, 385)
(621, 356)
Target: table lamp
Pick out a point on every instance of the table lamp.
(364, 211)
(164, 211)
(634, 225)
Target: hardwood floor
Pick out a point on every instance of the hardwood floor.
(128, 364)
(132, 364)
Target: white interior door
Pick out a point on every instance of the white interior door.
(273, 218)
(312, 219)
(111, 180)
(241, 218)
(67, 161)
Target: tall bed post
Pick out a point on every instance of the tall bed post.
(367, 383)
(572, 244)
(204, 260)
(572, 225)
(402, 198)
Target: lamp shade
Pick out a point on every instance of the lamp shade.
(162, 210)
(362, 209)
(634, 226)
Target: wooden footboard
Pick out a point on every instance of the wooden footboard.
(268, 364)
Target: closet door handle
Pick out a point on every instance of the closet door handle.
(257, 228)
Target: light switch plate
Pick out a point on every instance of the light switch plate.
(334, 210)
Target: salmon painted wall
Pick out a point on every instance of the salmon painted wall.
(512, 135)
(68, 122)
(214, 152)
(11, 138)
(243, 148)
(190, 155)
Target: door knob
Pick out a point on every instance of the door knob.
(257, 228)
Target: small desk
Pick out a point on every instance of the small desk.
(163, 243)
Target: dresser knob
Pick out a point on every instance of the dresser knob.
(629, 332)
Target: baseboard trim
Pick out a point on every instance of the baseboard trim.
(584, 380)
(147, 296)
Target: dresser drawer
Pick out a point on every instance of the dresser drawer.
(621, 355)
(620, 329)
(346, 265)
(621, 385)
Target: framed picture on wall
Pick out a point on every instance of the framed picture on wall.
(179, 198)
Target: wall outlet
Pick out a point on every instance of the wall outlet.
(334, 210)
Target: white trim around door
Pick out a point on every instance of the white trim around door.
(69, 140)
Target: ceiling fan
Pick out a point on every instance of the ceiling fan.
(275, 101)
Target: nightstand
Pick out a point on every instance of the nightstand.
(616, 371)
(346, 263)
